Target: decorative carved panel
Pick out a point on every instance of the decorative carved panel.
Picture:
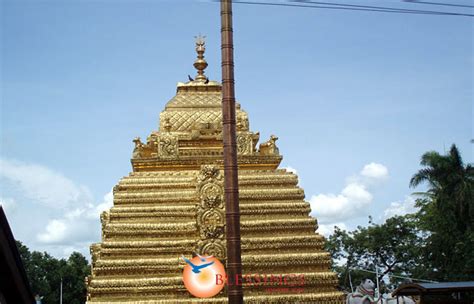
(167, 145)
(210, 212)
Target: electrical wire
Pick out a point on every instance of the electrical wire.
(438, 3)
(368, 7)
(382, 9)
(395, 276)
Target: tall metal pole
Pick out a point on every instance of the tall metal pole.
(231, 187)
(61, 292)
(378, 285)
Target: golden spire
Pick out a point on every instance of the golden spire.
(200, 64)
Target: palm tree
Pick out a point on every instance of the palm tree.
(451, 185)
(446, 216)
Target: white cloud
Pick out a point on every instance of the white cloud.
(353, 201)
(70, 231)
(43, 185)
(69, 216)
(291, 169)
(328, 229)
(328, 207)
(357, 193)
(55, 232)
(74, 214)
(106, 204)
(401, 207)
(67, 250)
(374, 171)
(77, 225)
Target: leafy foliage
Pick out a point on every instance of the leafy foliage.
(392, 246)
(434, 243)
(446, 212)
(45, 272)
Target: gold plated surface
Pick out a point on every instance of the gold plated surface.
(172, 204)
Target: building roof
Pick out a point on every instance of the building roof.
(425, 288)
(14, 286)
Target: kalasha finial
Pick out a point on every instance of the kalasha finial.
(200, 64)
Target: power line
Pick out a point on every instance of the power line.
(438, 3)
(382, 9)
(370, 7)
(395, 276)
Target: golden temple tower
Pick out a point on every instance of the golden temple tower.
(172, 204)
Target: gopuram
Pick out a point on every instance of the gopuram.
(172, 205)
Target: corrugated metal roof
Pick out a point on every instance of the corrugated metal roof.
(425, 288)
(444, 285)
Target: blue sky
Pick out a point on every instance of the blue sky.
(355, 98)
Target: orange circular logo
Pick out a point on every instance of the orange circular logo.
(199, 276)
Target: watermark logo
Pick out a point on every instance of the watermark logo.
(205, 277)
(199, 275)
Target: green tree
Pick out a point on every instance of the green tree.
(446, 214)
(393, 247)
(74, 270)
(45, 273)
(434, 243)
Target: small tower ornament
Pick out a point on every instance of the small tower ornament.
(200, 64)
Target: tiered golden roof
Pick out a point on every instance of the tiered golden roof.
(173, 204)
